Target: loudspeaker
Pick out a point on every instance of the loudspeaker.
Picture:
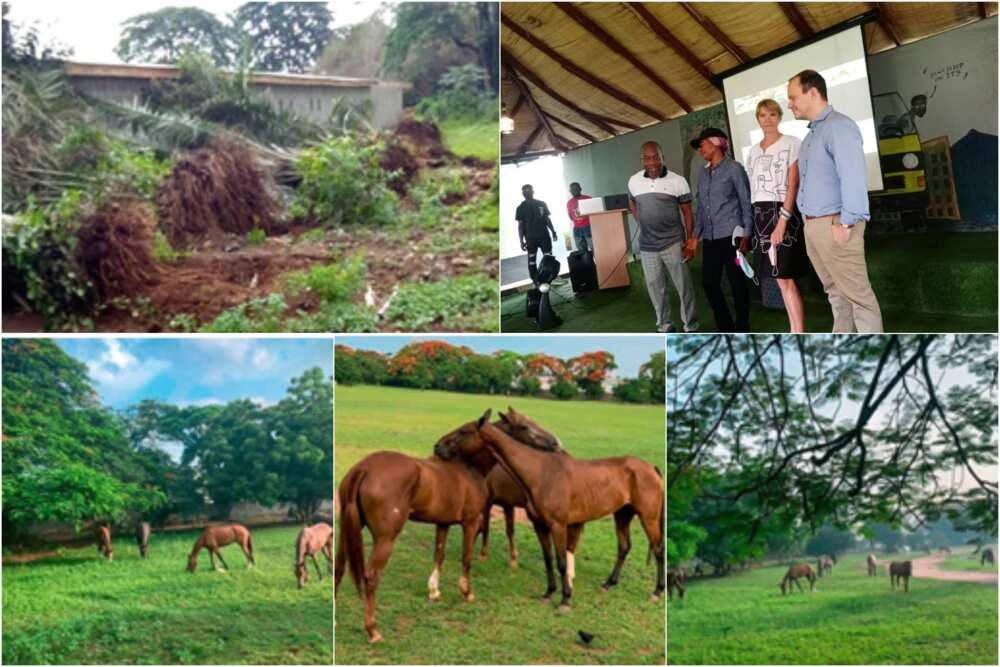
(582, 271)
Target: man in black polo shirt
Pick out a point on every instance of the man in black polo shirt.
(533, 227)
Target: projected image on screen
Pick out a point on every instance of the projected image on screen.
(840, 59)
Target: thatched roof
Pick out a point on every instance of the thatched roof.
(578, 73)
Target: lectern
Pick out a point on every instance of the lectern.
(610, 232)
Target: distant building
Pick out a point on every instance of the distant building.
(309, 95)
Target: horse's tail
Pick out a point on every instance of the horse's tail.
(663, 515)
(351, 540)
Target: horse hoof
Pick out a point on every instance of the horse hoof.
(654, 598)
(471, 597)
(434, 596)
(374, 637)
(513, 565)
(546, 599)
(604, 589)
(483, 556)
(563, 608)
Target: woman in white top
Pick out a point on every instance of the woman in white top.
(777, 237)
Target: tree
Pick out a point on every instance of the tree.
(590, 370)
(427, 38)
(359, 366)
(165, 35)
(65, 457)
(301, 454)
(563, 389)
(284, 36)
(853, 428)
(356, 50)
(22, 45)
(830, 541)
(654, 372)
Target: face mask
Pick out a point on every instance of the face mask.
(772, 254)
(744, 264)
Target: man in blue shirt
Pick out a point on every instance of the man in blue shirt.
(833, 198)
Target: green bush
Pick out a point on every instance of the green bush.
(529, 386)
(635, 390)
(162, 250)
(462, 94)
(262, 315)
(331, 283)
(360, 366)
(336, 318)
(256, 236)
(342, 182)
(450, 301)
(42, 248)
(563, 389)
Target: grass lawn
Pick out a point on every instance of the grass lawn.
(78, 609)
(966, 563)
(852, 619)
(479, 139)
(507, 623)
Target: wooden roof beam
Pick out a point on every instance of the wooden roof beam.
(513, 64)
(793, 14)
(609, 41)
(640, 10)
(531, 137)
(886, 23)
(714, 31)
(517, 105)
(592, 139)
(542, 120)
(984, 11)
(580, 72)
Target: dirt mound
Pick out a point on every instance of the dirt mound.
(116, 248)
(424, 136)
(218, 189)
(397, 158)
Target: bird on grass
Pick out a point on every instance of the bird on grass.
(585, 637)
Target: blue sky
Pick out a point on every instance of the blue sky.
(188, 371)
(630, 351)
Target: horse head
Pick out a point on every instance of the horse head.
(524, 429)
(192, 562)
(464, 442)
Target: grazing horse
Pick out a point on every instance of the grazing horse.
(313, 539)
(142, 532)
(900, 570)
(944, 550)
(385, 489)
(872, 566)
(796, 572)
(987, 557)
(563, 493)
(214, 538)
(103, 533)
(505, 492)
(824, 566)
(675, 580)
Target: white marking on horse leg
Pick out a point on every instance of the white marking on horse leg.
(570, 567)
(432, 585)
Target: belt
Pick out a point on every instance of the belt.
(822, 217)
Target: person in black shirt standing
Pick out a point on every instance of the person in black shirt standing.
(533, 227)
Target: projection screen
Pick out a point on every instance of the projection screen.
(840, 58)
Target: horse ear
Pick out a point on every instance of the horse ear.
(485, 418)
(510, 410)
(504, 417)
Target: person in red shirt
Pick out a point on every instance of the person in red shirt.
(581, 223)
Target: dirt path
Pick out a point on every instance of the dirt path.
(927, 568)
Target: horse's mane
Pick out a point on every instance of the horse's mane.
(448, 451)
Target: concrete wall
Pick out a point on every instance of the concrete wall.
(312, 102)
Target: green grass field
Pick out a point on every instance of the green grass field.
(78, 609)
(852, 619)
(476, 139)
(966, 563)
(507, 623)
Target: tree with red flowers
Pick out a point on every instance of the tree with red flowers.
(590, 370)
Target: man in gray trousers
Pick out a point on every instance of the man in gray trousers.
(660, 201)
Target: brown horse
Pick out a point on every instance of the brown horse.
(986, 557)
(872, 566)
(506, 492)
(563, 493)
(900, 570)
(385, 489)
(311, 540)
(796, 572)
(103, 533)
(214, 538)
(824, 566)
(142, 532)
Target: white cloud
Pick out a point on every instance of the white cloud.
(235, 359)
(117, 372)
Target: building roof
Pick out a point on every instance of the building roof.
(148, 72)
(579, 73)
